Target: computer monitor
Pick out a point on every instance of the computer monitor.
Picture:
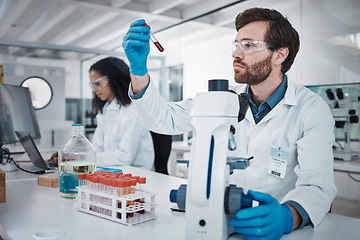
(16, 113)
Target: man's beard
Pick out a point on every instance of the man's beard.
(255, 73)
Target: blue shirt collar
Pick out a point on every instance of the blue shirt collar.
(275, 98)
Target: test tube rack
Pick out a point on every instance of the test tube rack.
(127, 209)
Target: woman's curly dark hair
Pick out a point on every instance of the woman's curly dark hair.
(118, 75)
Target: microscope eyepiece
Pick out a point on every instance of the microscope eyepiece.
(218, 85)
(330, 94)
(339, 93)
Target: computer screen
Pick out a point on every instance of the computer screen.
(16, 113)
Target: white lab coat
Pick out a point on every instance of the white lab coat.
(300, 124)
(120, 138)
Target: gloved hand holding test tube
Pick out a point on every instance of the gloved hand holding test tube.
(154, 40)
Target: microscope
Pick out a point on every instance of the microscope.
(340, 104)
(208, 199)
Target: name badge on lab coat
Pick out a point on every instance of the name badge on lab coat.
(277, 162)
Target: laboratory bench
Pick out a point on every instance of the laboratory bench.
(182, 147)
(347, 166)
(32, 212)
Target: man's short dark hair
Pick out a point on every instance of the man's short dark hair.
(280, 32)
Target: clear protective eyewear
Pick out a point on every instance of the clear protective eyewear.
(249, 46)
(98, 83)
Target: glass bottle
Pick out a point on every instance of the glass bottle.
(76, 156)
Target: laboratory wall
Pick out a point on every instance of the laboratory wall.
(63, 77)
(71, 68)
(15, 74)
(329, 35)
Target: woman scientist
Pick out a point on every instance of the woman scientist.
(119, 137)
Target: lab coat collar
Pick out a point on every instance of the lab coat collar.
(289, 99)
(290, 94)
(114, 105)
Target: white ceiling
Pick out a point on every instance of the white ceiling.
(63, 28)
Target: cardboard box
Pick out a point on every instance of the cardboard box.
(2, 187)
(49, 180)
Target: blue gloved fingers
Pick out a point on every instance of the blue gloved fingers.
(270, 220)
(139, 29)
(256, 231)
(254, 212)
(133, 43)
(139, 22)
(137, 36)
(137, 47)
(256, 221)
(138, 26)
(262, 198)
(135, 40)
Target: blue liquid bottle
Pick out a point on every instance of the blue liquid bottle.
(76, 156)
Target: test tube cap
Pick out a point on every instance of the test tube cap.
(81, 176)
(120, 183)
(133, 182)
(127, 183)
(95, 179)
(142, 180)
(114, 182)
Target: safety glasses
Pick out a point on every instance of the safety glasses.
(98, 83)
(249, 46)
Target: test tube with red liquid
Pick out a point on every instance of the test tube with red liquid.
(154, 40)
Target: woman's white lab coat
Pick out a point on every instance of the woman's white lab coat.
(120, 138)
(300, 126)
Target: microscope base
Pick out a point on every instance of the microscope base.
(346, 155)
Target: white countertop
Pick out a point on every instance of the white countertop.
(30, 209)
(347, 166)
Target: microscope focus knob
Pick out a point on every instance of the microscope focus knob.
(354, 119)
(179, 196)
(236, 199)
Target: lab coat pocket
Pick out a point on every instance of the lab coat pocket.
(281, 162)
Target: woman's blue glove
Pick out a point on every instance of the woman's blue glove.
(269, 220)
(136, 46)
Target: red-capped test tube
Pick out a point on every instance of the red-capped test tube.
(154, 40)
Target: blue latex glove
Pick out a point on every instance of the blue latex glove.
(136, 46)
(269, 220)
